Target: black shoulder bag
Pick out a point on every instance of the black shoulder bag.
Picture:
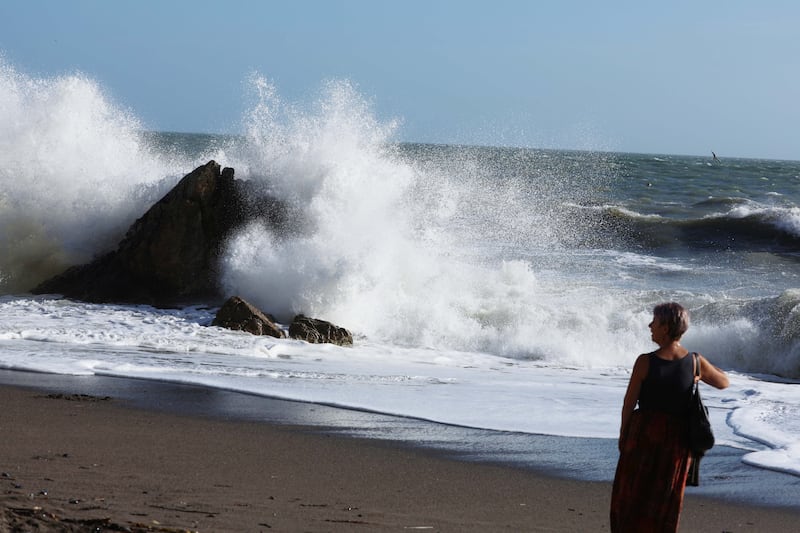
(701, 437)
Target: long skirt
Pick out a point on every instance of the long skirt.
(651, 474)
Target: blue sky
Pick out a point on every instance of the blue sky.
(668, 77)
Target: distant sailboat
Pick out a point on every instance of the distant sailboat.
(714, 157)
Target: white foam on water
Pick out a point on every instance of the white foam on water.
(465, 388)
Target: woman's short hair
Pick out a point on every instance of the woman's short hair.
(674, 316)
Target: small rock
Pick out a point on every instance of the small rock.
(239, 315)
(319, 331)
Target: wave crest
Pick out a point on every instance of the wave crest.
(745, 227)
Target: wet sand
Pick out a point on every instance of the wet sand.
(72, 461)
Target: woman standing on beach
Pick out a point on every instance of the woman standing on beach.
(654, 455)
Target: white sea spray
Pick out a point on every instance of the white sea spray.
(75, 174)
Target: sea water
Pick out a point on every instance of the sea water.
(488, 287)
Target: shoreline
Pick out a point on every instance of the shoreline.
(348, 470)
(723, 475)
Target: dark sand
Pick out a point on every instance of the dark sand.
(72, 462)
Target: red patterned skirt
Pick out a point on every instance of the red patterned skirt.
(651, 474)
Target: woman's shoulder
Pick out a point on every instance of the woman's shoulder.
(642, 365)
(645, 358)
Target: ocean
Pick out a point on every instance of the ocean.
(493, 288)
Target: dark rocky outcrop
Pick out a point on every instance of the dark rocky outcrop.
(170, 255)
(240, 315)
(319, 331)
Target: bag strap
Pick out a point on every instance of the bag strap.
(696, 361)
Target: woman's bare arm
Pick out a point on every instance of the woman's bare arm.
(640, 369)
(712, 375)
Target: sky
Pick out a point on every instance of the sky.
(679, 77)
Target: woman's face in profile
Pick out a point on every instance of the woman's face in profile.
(658, 331)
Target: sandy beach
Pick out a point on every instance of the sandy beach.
(71, 461)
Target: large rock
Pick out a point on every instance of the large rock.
(237, 314)
(170, 255)
(319, 331)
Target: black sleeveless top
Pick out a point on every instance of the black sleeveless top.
(667, 387)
